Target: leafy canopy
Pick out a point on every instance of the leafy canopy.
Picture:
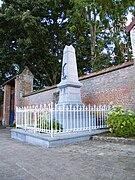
(34, 33)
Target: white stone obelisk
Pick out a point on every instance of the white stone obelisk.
(69, 85)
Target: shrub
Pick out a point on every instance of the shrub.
(45, 124)
(121, 122)
(12, 125)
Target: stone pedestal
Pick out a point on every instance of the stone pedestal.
(69, 85)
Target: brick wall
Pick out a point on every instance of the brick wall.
(41, 97)
(18, 86)
(6, 104)
(116, 84)
(23, 85)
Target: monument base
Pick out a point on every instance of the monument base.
(44, 140)
(73, 117)
(70, 95)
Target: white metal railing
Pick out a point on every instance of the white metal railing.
(61, 119)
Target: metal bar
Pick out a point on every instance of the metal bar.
(51, 110)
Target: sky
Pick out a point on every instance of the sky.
(128, 21)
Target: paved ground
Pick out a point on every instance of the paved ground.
(89, 160)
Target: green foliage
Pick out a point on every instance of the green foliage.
(45, 124)
(101, 23)
(121, 122)
(13, 125)
(34, 33)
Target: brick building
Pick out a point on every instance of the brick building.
(14, 90)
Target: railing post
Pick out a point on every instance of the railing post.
(90, 120)
(25, 119)
(35, 123)
(72, 118)
(51, 119)
(77, 117)
(63, 111)
(92, 116)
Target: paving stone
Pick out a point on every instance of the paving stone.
(89, 160)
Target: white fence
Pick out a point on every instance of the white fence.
(61, 119)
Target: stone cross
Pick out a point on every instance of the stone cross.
(69, 85)
(131, 29)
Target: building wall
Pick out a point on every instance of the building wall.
(23, 85)
(6, 104)
(115, 84)
(41, 97)
(19, 86)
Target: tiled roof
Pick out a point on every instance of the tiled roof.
(11, 80)
(107, 70)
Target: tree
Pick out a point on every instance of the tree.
(32, 35)
(102, 23)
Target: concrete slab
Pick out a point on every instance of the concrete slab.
(44, 140)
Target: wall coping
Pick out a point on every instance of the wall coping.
(42, 90)
(107, 70)
(9, 81)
